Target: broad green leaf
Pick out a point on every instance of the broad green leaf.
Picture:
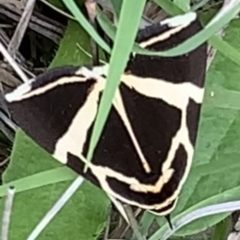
(223, 98)
(127, 26)
(84, 216)
(218, 139)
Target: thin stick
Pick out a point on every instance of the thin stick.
(7, 213)
(56, 208)
(133, 222)
(13, 64)
(91, 10)
(21, 28)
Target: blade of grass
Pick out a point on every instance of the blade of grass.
(40, 179)
(145, 223)
(225, 48)
(169, 7)
(189, 216)
(133, 222)
(190, 44)
(187, 45)
(71, 5)
(56, 208)
(199, 4)
(221, 230)
(183, 4)
(117, 5)
(128, 26)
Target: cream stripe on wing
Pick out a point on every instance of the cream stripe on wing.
(162, 89)
(74, 138)
(162, 36)
(118, 104)
(176, 24)
(18, 94)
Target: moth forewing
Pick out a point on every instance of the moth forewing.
(145, 151)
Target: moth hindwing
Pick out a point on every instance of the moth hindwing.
(145, 151)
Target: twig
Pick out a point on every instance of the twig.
(106, 232)
(38, 23)
(58, 10)
(21, 28)
(18, 4)
(7, 213)
(56, 208)
(5, 41)
(91, 10)
(6, 160)
(235, 234)
(12, 62)
(133, 222)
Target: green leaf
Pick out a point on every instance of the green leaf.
(223, 98)
(128, 26)
(84, 216)
(217, 152)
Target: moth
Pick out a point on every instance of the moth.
(146, 148)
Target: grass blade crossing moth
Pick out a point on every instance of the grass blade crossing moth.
(145, 151)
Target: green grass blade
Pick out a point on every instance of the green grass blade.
(128, 26)
(146, 222)
(117, 5)
(221, 230)
(183, 4)
(197, 212)
(199, 38)
(225, 48)
(199, 4)
(187, 45)
(71, 5)
(169, 7)
(37, 180)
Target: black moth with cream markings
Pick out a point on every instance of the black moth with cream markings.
(145, 151)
